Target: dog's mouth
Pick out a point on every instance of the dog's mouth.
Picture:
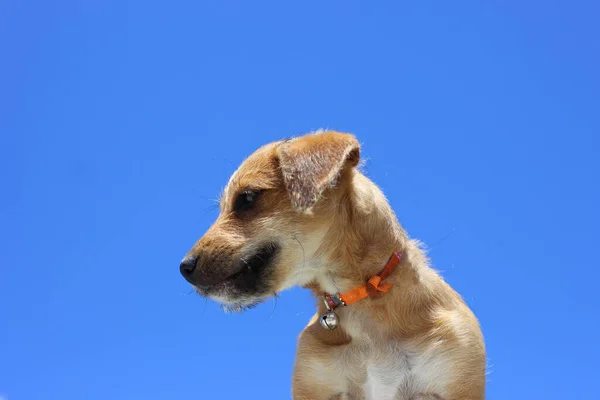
(251, 278)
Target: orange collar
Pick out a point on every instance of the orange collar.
(372, 288)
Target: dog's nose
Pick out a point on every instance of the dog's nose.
(187, 267)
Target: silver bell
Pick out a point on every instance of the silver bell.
(329, 320)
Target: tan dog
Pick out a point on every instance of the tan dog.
(299, 212)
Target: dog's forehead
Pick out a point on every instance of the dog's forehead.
(257, 171)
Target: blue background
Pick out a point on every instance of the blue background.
(121, 121)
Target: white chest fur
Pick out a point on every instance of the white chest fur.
(385, 381)
(397, 372)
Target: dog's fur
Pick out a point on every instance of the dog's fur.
(299, 212)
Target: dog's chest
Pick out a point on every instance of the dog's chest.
(397, 372)
(387, 379)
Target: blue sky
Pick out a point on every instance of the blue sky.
(120, 121)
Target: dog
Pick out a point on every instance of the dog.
(299, 212)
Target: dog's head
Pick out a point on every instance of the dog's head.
(274, 214)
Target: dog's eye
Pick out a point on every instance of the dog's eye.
(246, 200)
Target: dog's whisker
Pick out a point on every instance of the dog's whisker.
(303, 269)
(275, 297)
(204, 308)
(204, 197)
(302, 247)
(442, 240)
(209, 209)
(245, 262)
(221, 195)
(210, 199)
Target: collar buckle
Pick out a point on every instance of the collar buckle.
(332, 301)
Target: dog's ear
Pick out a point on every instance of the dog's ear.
(311, 163)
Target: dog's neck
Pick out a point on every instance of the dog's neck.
(363, 234)
(371, 233)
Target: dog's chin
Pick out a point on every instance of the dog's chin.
(239, 307)
(231, 300)
(235, 304)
